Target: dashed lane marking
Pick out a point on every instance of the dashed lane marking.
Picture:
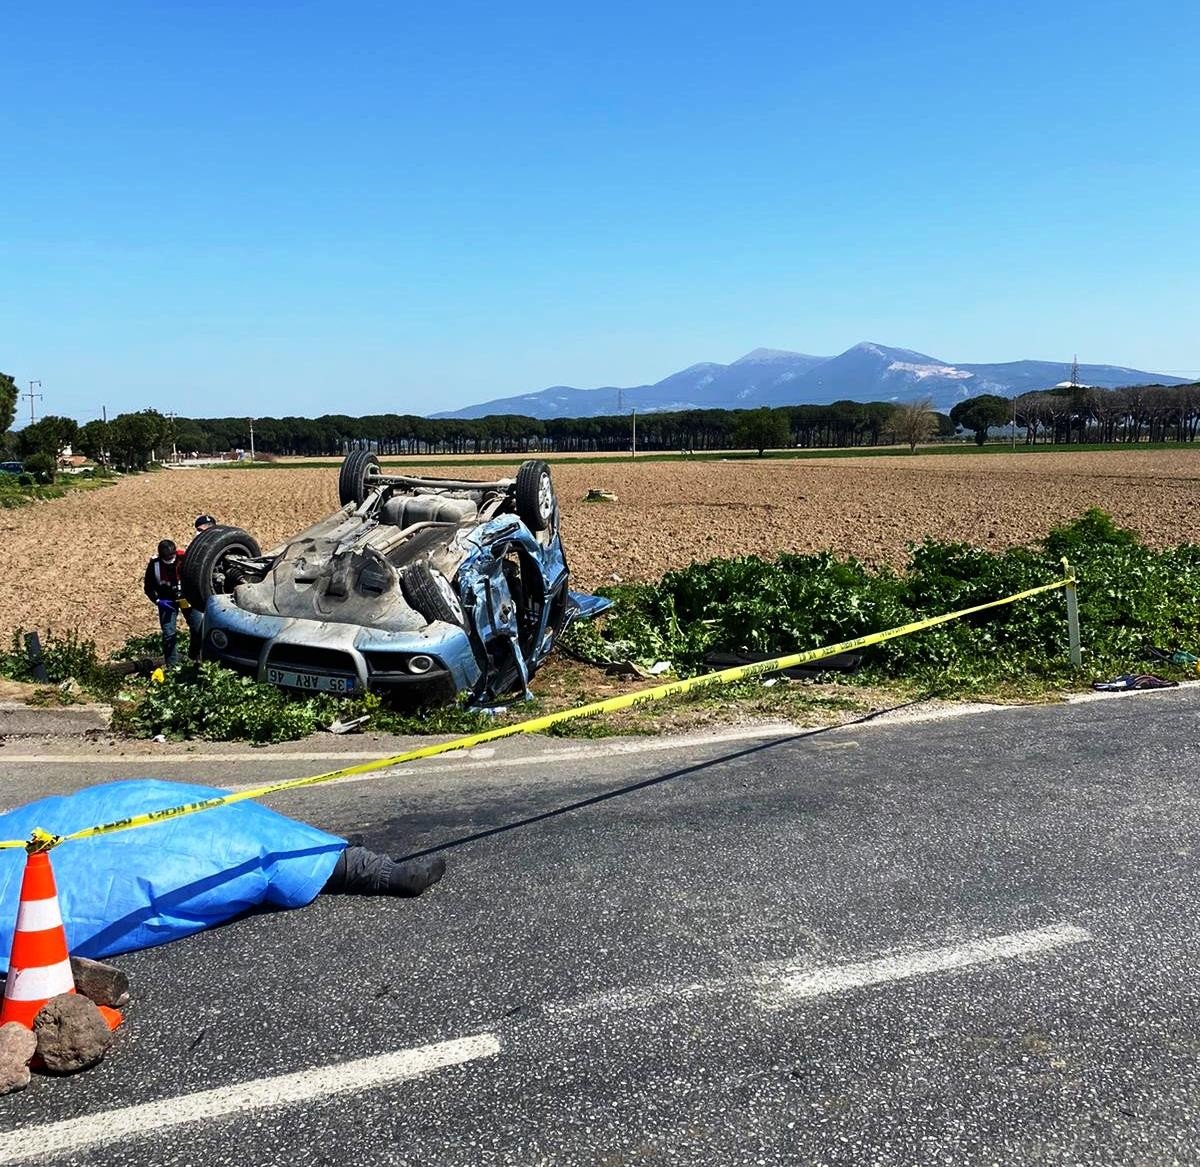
(776, 985)
(320, 1082)
(772, 986)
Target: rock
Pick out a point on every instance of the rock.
(16, 1048)
(100, 982)
(71, 1034)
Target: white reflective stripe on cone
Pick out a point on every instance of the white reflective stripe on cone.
(38, 915)
(39, 984)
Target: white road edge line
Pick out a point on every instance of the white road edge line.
(320, 1082)
(776, 985)
(466, 760)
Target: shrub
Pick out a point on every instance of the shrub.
(1129, 595)
(209, 701)
(65, 655)
(41, 467)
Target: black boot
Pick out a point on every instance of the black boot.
(412, 877)
(367, 873)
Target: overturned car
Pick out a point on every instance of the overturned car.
(427, 586)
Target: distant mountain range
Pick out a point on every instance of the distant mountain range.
(866, 372)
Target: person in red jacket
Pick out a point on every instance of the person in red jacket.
(162, 587)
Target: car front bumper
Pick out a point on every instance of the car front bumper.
(323, 656)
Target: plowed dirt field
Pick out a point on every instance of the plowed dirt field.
(77, 562)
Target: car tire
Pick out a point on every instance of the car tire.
(429, 593)
(536, 500)
(353, 481)
(204, 572)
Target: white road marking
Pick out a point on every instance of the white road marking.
(772, 986)
(480, 758)
(786, 985)
(318, 1083)
(776, 985)
(452, 762)
(905, 716)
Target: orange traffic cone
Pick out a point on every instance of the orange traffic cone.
(40, 966)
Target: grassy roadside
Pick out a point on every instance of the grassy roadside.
(1131, 598)
(13, 494)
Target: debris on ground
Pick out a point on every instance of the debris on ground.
(17, 1045)
(350, 726)
(71, 1034)
(627, 668)
(1174, 656)
(600, 496)
(1127, 681)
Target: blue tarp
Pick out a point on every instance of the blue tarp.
(135, 889)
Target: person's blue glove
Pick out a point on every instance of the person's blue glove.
(167, 605)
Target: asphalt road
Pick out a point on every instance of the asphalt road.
(960, 941)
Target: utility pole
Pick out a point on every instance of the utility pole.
(1075, 372)
(252, 439)
(171, 416)
(1014, 433)
(634, 447)
(31, 395)
(103, 448)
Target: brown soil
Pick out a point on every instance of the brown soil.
(78, 561)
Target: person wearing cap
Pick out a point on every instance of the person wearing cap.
(203, 522)
(162, 587)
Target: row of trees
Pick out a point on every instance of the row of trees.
(129, 439)
(1075, 414)
(1157, 413)
(128, 442)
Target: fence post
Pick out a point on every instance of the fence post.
(33, 654)
(1072, 618)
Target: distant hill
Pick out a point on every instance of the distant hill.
(866, 372)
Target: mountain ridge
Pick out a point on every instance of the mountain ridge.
(866, 371)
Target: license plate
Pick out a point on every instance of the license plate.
(314, 682)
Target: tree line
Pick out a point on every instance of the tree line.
(1079, 414)
(132, 440)
(1070, 414)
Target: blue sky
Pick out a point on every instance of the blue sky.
(269, 207)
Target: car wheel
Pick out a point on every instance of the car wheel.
(536, 500)
(429, 593)
(354, 480)
(206, 567)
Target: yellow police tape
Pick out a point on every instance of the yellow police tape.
(43, 841)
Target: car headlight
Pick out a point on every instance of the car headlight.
(218, 639)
